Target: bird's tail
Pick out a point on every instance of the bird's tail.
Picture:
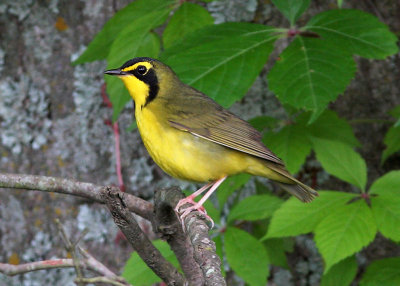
(294, 187)
(303, 192)
(290, 184)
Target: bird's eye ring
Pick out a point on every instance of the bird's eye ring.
(141, 70)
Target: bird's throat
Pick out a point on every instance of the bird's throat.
(138, 90)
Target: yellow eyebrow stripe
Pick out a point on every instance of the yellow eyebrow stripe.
(132, 67)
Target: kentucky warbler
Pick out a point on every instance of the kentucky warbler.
(191, 137)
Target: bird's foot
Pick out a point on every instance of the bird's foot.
(195, 207)
(187, 200)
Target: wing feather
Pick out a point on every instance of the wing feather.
(203, 117)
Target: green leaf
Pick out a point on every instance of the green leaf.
(276, 250)
(119, 96)
(239, 52)
(230, 185)
(389, 184)
(358, 32)
(219, 250)
(138, 273)
(187, 19)
(340, 3)
(329, 126)
(382, 272)
(395, 112)
(386, 209)
(100, 46)
(342, 273)
(255, 208)
(386, 205)
(342, 161)
(392, 142)
(247, 256)
(131, 127)
(294, 217)
(392, 137)
(292, 9)
(345, 231)
(291, 144)
(133, 41)
(262, 122)
(310, 73)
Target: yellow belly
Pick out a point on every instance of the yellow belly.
(186, 156)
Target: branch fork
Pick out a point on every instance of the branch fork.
(193, 247)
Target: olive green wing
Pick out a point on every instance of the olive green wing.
(203, 117)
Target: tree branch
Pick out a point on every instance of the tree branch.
(204, 248)
(91, 263)
(105, 280)
(71, 248)
(87, 262)
(71, 187)
(167, 224)
(194, 249)
(151, 256)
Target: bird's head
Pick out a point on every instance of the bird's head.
(144, 78)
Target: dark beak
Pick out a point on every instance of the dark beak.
(115, 72)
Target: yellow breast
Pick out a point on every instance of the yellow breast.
(183, 155)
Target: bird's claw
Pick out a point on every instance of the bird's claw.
(195, 207)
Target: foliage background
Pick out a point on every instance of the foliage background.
(53, 118)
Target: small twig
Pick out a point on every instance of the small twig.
(139, 241)
(71, 248)
(88, 262)
(96, 265)
(11, 269)
(81, 236)
(71, 187)
(99, 280)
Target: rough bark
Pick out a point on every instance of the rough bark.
(139, 241)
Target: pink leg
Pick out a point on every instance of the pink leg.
(190, 198)
(198, 206)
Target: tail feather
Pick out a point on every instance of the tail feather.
(303, 192)
(296, 188)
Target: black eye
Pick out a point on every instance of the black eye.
(141, 69)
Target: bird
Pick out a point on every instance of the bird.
(193, 138)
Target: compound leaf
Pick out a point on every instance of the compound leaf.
(239, 52)
(294, 217)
